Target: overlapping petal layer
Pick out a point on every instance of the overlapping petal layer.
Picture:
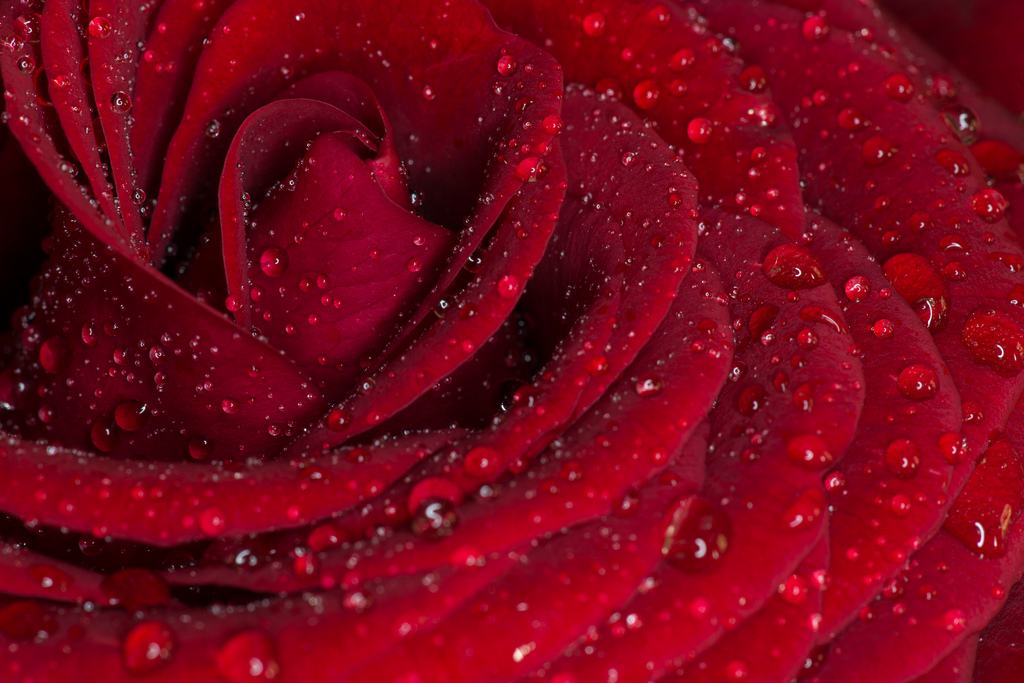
(517, 341)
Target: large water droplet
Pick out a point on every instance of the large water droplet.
(996, 340)
(919, 283)
(147, 647)
(917, 382)
(248, 656)
(274, 261)
(792, 266)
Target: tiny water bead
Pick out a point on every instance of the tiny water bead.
(899, 87)
(649, 385)
(699, 130)
(962, 121)
(989, 205)
(434, 519)
(697, 534)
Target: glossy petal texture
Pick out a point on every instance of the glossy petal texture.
(395, 341)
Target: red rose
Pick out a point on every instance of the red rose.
(394, 341)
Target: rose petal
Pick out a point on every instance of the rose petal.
(754, 649)
(893, 482)
(27, 574)
(950, 589)
(113, 56)
(660, 61)
(37, 128)
(167, 504)
(337, 288)
(63, 53)
(105, 335)
(775, 506)
(1001, 650)
(936, 215)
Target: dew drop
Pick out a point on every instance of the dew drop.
(199, 448)
(507, 65)
(120, 102)
(212, 521)
(649, 385)
(646, 95)
(962, 121)
(699, 130)
(55, 354)
(902, 458)
(594, 24)
(434, 519)
(990, 205)
(697, 534)
(274, 261)
(857, 288)
(899, 87)
(131, 416)
(996, 340)
(508, 287)
(809, 451)
(246, 657)
(100, 27)
(815, 29)
(104, 435)
(147, 647)
(917, 382)
(792, 266)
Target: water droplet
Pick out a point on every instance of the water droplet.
(697, 534)
(754, 79)
(962, 121)
(857, 288)
(131, 416)
(899, 87)
(28, 27)
(55, 354)
(815, 29)
(877, 150)
(792, 266)
(646, 94)
(594, 24)
(507, 65)
(552, 124)
(339, 214)
(990, 205)
(917, 382)
(649, 385)
(852, 118)
(996, 340)
(105, 435)
(751, 400)
(212, 521)
(147, 647)
(481, 461)
(810, 451)
(435, 518)
(414, 265)
(529, 169)
(212, 129)
(274, 261)
(699, 130)
(919, 283)
(120, 102)
(508, 287)
(100, 27)
(954, 162)
(902, 458)
(246, 657)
